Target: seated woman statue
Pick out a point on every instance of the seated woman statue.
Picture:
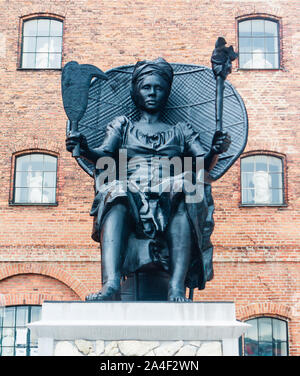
(119, 211)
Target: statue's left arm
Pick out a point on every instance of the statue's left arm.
(193, 146)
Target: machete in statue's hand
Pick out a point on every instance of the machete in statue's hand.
(75, 82)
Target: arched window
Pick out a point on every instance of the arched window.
(15, 337)
(267, 336)
(262, 180)
(35, 179)
(42, 43)
(259, 44)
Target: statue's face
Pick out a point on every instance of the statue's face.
(152, 93)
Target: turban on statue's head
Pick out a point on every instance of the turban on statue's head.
(142, 68)
(159, 66)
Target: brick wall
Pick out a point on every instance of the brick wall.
(256, 249)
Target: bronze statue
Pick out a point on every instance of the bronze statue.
(160, 223)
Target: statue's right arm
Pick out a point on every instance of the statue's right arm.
(111, 142)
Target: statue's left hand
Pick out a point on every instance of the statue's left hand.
(221, 142)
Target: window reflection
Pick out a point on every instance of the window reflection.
(35, 179)
(262, 180)
(15, 337)
(42, 43)
(267, 336)
(258, 44)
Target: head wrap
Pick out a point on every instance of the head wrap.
(159, 66)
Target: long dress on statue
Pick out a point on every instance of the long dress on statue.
(151, 211)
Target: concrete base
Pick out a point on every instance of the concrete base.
(138, 328)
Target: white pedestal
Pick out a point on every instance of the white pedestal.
(138, 328)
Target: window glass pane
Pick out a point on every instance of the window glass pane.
(7, 351)
(261, 163)
(22, 316)
(56, 28)
(258, 28)
(55, 60)
(245, 45)
(259, 60)
(20, 351)
(265, 329)
(271, 45)
(21, 337)
(277, 196)
(33, 339)
(252, 332)
(42, 44)
(35, 179)
(36, 162)
(28, 60)
(247, 180)
(9, 317)
(279, 348)
(245, 60)
(275, 164)
(272, 61)
(54, 44)
(42, 60)
(21, 195)
(33, 351)
(49, 163)
(8, 339)
(251, 348)
(271, 28)
(30, 28)
(21, 179)
(43, 27)
(29, 44)
(263, 193)
(279, 330)
(48, 195)
(35, 313)
(258, 45)
(276, 180)
(49, 179)
(265, 349)
(35, 195)
(247, 164)
(245, 28)
(248, 196)
(22, 163)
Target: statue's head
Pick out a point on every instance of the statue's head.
(151, 84)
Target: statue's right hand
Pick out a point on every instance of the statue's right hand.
(75, 139)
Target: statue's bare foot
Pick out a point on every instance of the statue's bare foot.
(108, 292)
(177, 295)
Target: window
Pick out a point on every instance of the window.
(258, 44)
(262, 180)
(42, 43)
(35, 179)
(15, 337)
(266, 337)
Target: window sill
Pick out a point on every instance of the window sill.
(32, 204)
(263, 205)
(260, 69)
(39, 69)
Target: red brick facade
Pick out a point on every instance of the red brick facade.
(46, 251)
